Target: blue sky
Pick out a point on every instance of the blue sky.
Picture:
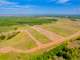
(39, 7)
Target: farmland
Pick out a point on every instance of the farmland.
(39, 38)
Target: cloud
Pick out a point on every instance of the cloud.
(12, 7)
(62, 1)
(7, 7)
(4, 2)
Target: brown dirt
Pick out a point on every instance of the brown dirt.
(33, 38)
(56, 40)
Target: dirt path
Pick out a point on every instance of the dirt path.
(52, 36)
(56, 40)
(73, 36)
(33, 38)
(11, 49)
(40, 46)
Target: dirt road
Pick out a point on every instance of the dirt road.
(52, 36)
(33, 38)
(56, 40)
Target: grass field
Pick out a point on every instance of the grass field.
(23, 20)
(22, 41)
(62, 26)
(64, 51)
(38, 36)
(7, 28)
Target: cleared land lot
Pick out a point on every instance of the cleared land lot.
(22, 41)
(63, 27)
(36, 37)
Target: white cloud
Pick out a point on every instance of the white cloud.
(62, 1)
(4, 2)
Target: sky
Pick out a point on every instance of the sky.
(39, 7)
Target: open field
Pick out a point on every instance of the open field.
(39, 38)
(65, 51)
(21, 40)
(64, 27)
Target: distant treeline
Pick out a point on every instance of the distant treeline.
(8, 21)
(74, 17)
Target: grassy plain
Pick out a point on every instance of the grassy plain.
(21, 41)
(62, 26)
(38, 36)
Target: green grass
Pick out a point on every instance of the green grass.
(6, 28)
(39, 36)
(9, 21)
(59, 51)
(13, 56)
(18, 56)
(22, 41)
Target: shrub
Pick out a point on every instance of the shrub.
(2, 37)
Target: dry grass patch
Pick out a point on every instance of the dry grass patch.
(22, 41)
(63, 27)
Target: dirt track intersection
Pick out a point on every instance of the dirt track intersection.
(54, 39)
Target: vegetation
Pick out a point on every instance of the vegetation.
(38, 36)
(21, 40)
(8, 21)
(62, 52)
(7, 28)
(63, 27)
(13, 34)
(2, 37)
(7, 36)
